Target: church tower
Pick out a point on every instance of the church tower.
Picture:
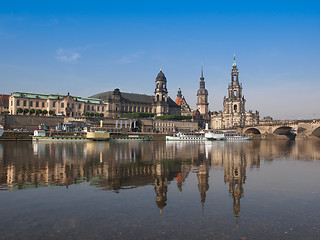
(234, 104)
(161, 95)
(202, 96)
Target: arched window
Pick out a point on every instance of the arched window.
(234, 77)
(163, 85)
(158, 85)
(157, 98)
(235, 108)
(235, 93)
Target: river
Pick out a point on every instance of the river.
(261, 189)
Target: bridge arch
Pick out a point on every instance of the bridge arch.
(316, 132)
(252, 131)
(283, 130)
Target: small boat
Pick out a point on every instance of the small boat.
(187, 137)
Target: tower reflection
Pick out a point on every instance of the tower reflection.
(116, 167)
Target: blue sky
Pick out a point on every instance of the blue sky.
(87, 47)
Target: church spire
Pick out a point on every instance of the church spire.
(234, 65)
(179, 95)
(202, 78)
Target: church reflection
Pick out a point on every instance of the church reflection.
(116, 167)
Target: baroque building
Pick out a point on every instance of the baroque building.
(106, 104)
(234, 113)
(55, 104)
(160, 103)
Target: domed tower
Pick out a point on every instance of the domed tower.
(161, 95)
(234, 104)
(202, 95)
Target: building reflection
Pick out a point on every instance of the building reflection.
(116, 167)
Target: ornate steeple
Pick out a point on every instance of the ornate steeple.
(179, 95)
(234, 65)
(202, 94)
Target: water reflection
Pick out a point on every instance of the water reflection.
(120, 166)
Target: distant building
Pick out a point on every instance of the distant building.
(234, 113)
(4, 103)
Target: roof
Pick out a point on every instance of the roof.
(131, 97)
(178, 101)
(55, 97)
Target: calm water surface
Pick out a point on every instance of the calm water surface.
(159, 190)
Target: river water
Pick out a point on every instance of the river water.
(160, 190)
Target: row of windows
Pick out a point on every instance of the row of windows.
(134, 109)
(62, 105)
(30, 103)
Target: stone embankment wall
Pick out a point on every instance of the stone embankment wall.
(29, 122)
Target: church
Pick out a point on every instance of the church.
(234, 113)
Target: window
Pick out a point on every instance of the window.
(134, 109)
(24, 103)
(235, 93)
(79, 106)
(157, 98)
(42, 104)
(18, 102)
(98, 108)
(102, 109)
(92, 108)
(62, 105)
(67, 104)
(37, 104)
(235, 108)
(31, 103)
(88, 108)
(234, 77)
(54, 104)
(72, 105)
(138, 109)
(142, 109)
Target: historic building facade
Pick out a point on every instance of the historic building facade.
(234, 113)
(56, 104)
(160, 103)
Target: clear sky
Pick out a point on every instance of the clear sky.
(87, 47)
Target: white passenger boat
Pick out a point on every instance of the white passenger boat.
(187, 137)
(215, 136)
(234, 136)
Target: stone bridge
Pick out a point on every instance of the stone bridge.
(303, 128)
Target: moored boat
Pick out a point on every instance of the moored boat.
(234, 136)
(215, 136)
(187, 137)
